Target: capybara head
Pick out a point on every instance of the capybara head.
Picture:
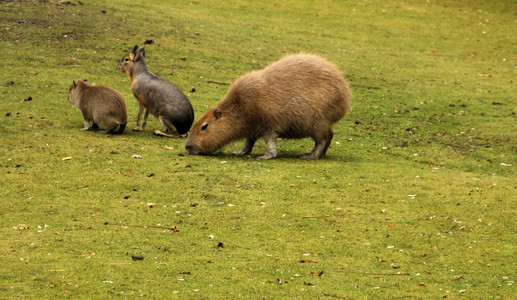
(73, 94)
(126, 64)
(211, 132)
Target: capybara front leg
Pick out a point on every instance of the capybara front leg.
(140, 110)
(270, 139)
(248, 147)
(86, 125)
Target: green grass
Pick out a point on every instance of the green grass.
(415, 198)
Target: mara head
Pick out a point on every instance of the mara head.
(126, 64)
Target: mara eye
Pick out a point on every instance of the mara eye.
(204, 126)
(126, 59)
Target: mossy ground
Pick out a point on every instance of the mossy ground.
(415, 197)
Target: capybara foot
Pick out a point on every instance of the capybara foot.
(241, 153)
(267, 156)
(309, 156)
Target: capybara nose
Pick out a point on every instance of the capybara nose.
(188, 147)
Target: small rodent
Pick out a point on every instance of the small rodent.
(100, 105)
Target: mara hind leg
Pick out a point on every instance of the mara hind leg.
(248, 147)
(321, 145)
(170, 130)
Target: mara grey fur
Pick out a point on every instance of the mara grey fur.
(157, 96)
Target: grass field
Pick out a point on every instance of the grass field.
(415, 198)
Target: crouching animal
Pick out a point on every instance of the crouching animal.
(296, 97)
(157, 96)
(100, 105)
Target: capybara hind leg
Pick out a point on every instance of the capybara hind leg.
(270, 139)
(321, 145)
(110, 129)
(248, 147)
(329, 140)
(316, 152)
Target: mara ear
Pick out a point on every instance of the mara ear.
(142, 51)
(75, 84)
(217, 114)
(134, 50)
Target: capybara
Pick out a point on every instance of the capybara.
(296, 97)
(100, 105)
(158, 96)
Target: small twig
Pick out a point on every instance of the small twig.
(388, 274)
(215, 82)
(324, 216)
(173, 228)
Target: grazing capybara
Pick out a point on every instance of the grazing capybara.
(296, 97)
(100, 105)
(158, 96)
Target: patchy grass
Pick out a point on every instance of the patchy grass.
(415, 197)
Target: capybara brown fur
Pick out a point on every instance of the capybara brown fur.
(296, 97)
(157, 96)
(100, 105)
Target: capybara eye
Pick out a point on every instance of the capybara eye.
(204, 126)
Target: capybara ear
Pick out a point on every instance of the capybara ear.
(217, 114)
(85, 80)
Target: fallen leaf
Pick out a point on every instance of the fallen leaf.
(421, 284)
(66, 158)
(317, 273)
(168, 148)
(21, 227)
(308, 261)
